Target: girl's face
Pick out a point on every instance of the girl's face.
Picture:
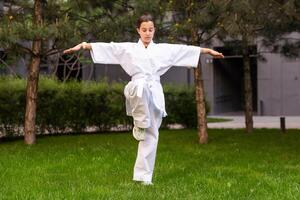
(146, 32)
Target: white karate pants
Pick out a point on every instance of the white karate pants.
(145, 115)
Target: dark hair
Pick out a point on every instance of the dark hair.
(144, 18)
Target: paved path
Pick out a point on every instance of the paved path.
(259, 122)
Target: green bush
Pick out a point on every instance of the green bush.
(181, 106)
(76, 105)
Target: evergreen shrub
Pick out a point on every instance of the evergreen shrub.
(78, 106)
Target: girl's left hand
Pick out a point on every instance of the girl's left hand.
(216, 54)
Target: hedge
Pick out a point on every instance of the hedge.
(74, 106)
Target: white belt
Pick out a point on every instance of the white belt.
(142, 79)
(145, 77)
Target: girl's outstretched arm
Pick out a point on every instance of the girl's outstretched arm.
(82, 45)
(211, 52)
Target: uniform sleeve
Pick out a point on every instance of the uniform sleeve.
(106, 53)
(185, 56)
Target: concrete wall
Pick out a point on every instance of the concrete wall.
(279, 84)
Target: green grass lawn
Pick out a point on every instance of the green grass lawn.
(234, 165)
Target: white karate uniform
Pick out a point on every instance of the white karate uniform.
(144, 94)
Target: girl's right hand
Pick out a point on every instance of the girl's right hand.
(73, 49)
(82, 45)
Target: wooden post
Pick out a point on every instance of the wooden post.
(282, 124)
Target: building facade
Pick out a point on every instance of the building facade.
(275, 81)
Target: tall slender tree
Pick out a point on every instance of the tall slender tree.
(33, 78)
(42, 28)
(24, 31)
(39, 29)
(246, 21)
(194, 23)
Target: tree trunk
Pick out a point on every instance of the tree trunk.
(200, 102)
(32, 81)
(248, 109)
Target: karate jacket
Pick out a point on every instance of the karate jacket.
(146, 65)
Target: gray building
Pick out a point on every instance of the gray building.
(275, 82)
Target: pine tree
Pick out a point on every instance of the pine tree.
(42, 28)
(245, 21)
(193, 23)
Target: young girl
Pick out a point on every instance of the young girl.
(145, 61)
